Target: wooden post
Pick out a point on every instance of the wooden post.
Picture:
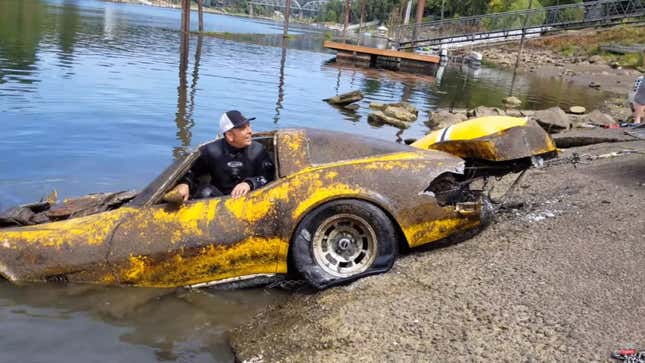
(408, 10)
(347, 8)
(200, 12)
(185, 16)
(519, 52)
(360, 24)
(417, 26)
(287, 14)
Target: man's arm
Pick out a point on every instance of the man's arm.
(191, 179)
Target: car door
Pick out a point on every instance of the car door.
(198, 242)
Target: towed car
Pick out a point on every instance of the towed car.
(341, 206)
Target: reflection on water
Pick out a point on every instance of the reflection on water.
(283, 60)
(121, 324)
(183, 117)
(98, 96)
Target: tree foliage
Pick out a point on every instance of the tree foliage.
(334, 10)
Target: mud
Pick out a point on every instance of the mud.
(557, 277)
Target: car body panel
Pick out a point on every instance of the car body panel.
(491, 138)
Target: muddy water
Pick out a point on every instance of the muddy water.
(91, 324)
(95, 97)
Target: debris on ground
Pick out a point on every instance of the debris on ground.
(48, 210)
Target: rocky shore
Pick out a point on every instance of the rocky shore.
(556, 277)
(571, 57)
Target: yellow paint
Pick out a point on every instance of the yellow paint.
(249, 209)
(430, 231)
(89, 230)
(190, 219)
(472, 129)
(211, 263)
(320, 193)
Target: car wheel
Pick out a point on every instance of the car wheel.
(343, 240)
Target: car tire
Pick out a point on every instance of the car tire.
(342, 241)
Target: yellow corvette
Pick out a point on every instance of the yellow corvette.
(340, 208)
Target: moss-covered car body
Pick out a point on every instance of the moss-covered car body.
(147, 242)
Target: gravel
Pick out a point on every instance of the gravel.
(559, 276)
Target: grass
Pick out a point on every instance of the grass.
(587, 43)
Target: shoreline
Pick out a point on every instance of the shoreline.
(210, 10)
(542, 56)
(539, 284)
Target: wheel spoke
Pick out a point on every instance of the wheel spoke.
(344, 245)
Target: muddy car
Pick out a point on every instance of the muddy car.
(341, 206)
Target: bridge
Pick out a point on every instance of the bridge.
(512, 24)
(302, 7)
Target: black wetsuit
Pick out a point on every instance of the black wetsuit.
(229, 166)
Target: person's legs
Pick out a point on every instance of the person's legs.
(639, 113)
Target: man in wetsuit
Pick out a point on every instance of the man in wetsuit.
(236, 164)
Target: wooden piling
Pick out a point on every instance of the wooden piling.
(185, 16)
(287, 14)
(417, 26)
(347, 8)
(200, 13)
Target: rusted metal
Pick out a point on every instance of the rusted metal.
(523, 140)
(148, 243)
(151, 243)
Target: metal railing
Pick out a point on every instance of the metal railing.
(306, 6)
(497, 26)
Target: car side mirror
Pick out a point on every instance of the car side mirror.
(173, 197)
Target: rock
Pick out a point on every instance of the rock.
(407, 106)
(577, 110)
(400, 113)
(552, 119)
(444, 118)
(404, 105)
(593, 84)
(512, 101)
(378, 105)
(379, 117)
(614, 65)
(514, 113)
(581, 137)
(528, 113)
(596, 59)
(598, 118)
(345, 98)
(480, 111)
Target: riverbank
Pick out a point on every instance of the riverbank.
(577, 57)
(554, 277)
(278, 16)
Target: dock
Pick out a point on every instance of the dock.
(386, 58)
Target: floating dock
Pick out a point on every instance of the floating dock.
(382, 57)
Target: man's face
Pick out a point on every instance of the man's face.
(240, 137)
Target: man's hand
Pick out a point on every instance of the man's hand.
(183, 190)
(240, 190)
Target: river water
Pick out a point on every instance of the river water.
(94, 97)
